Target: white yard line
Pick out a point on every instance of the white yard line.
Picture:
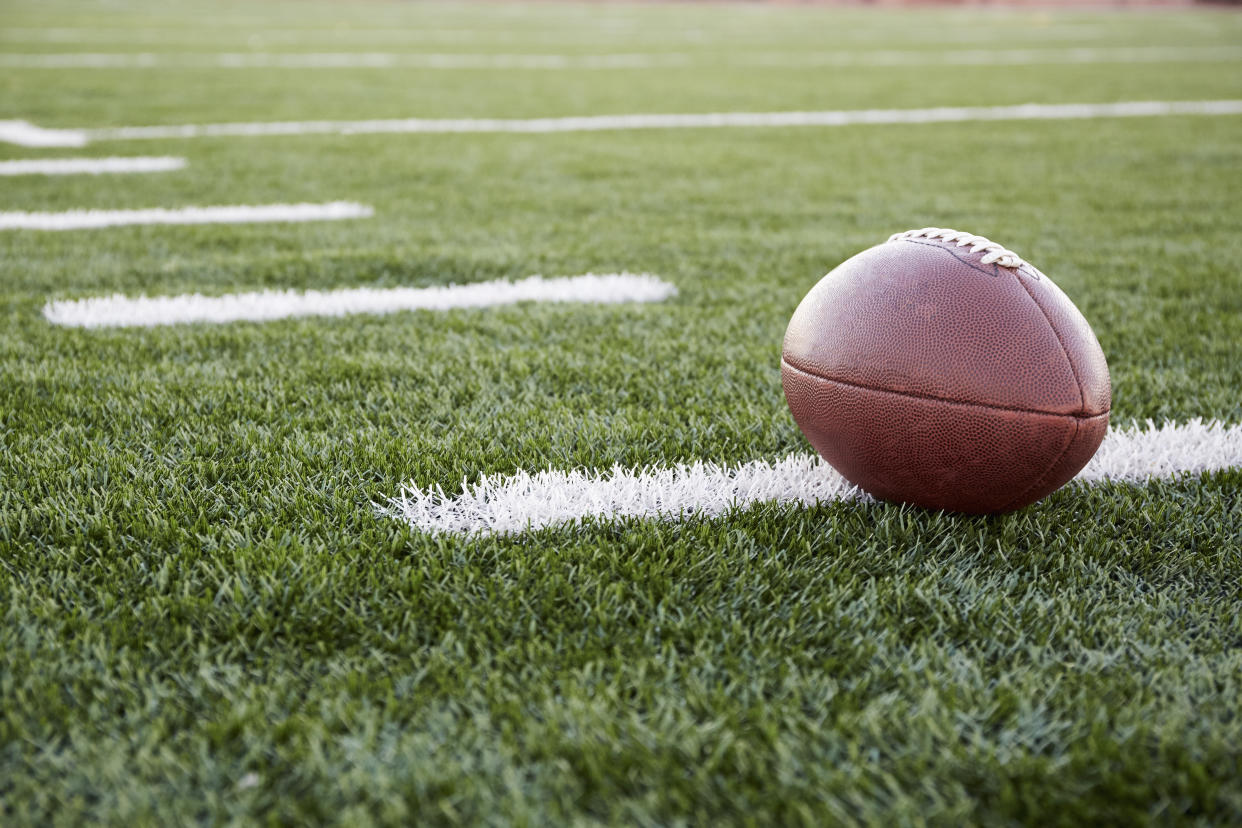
(233, 214)
(1000, 57)
(682, 121)
(524, 501)
(26, 134)
(739, 32)
(142, 311)
(250, 34)
(29, 135)
(335, 60)
(90, 166)
(647, 60)
(597, 123)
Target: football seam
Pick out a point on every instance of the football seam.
(933, 398)
(1082, 395)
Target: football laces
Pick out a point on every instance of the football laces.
(994, 253)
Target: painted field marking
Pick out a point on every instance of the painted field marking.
(527, 501)
(337, 60)
(709, 120)
(249, 33)
(1001, 57)
(237, 214)
(642, 60)
(736, 31)
(26, 134)
(264, 306)
(91, 166)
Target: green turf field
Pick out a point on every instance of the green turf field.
(204, 619)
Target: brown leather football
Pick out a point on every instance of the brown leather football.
(940, 369)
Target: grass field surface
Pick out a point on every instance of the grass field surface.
(204, 617)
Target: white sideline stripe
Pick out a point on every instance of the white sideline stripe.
(652, 60)
(1003, 57)
(263, 306)
(831, 118)
(26, 134)
(526, 501)
(90, 166)
(337, 60)
(239, 214)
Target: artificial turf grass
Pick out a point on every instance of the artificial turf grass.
(206, 492)
(842, 655)
(1159, 297)
(204, 619)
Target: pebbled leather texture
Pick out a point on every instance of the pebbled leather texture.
(926, 377)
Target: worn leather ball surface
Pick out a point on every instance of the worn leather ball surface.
(941, 370)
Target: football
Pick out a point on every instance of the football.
(940, 369)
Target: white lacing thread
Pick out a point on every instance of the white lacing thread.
(995, 253)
